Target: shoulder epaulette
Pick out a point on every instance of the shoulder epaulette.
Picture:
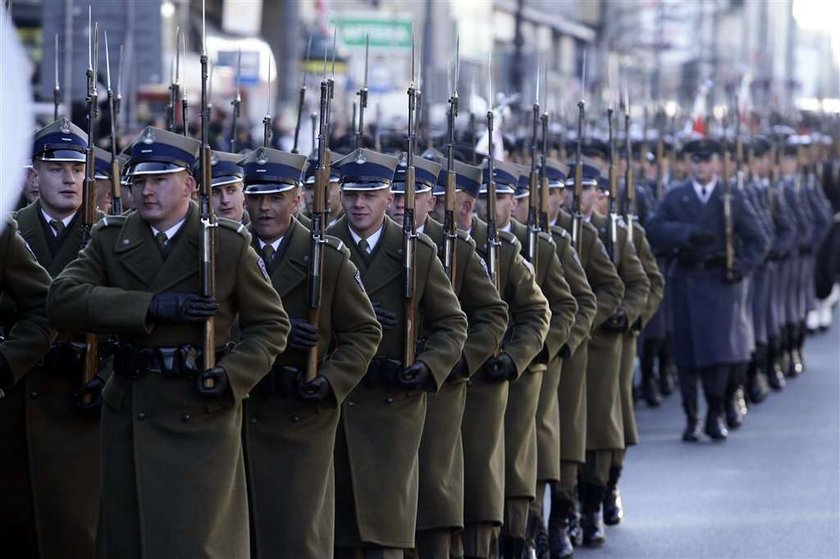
(558, 230)
(236, 227)
(546, 236)
(110, 221)
(427, 241)
(337, 244)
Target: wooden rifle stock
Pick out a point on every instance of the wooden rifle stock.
(728, 225)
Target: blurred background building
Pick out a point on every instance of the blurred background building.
(778, 57)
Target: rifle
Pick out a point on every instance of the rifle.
(184, 103)
(208, 220)
(543, 194)
(629, 186)
(739, 148)
(533, 183)
(660, 154)
(267, 120)
(493, 243)
(301, 100)
(449, 228)
(116, 187)
(57, 88)
(175, 86)
(728, 226)
(319, 224)
(409, 230)
(363, 99)
(577, 217)
(612, 218)
(237, 103)
(313, 119)
(91, 360)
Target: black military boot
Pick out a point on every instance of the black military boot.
(613, 508)
(537, 537)
(667, 370)
(573, 528)
(559, 544)
(800, 344)
(795, 366)
(714, 427)
(647, 387)
(692, 424)
(736, 408)
(592, 496)
(757, 388)
(773, 368)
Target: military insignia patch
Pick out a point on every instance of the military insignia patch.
(529, 266)
(484, 267)
(576, 256)
(359, 280)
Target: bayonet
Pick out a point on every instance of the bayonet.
(184, 102)
(493, 243)
(236, 102)
(363, 98)
(301, 98)
(57, 88)
(116, 186)
(629, 185)
(267, 119)
(533, 181)
(577, 217)
(449, 225)
(612, 218)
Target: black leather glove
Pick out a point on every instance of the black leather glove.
(617, 322)
(387, 319)
(303, 335)
(213, 383)
(500, 368)
(174, 306)
(313, 391)
(701, 237)
(89, 395)
(415, 377)
(460, 370)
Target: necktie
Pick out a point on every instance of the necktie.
(268, 253)
(161, 239)
(58, 227)
(364, 247)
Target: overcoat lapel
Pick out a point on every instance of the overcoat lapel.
(288, 270)
(386, 260)
(29, 225)
(70, 246)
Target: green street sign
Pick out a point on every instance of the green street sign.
(391, 33)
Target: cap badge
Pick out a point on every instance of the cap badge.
(262, 158)
(148, 136)
(65, 125)
(360, 158)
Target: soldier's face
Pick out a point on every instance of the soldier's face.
(703, 169)
(587, 200)
(422, 205)
(555, 200)
(365, 209)
(334, 200)
(229, 201)
(30, 187)
(60, 186)
(103, 196)
(162, 200)
(504, 208)
(271, 214)
(788, 166)
(308, 192)
(602, 202)
(520, 209)
(439, 208)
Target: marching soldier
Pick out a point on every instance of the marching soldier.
(564, 526)
(605, 435)
(161, 411)
(376, 452)
(487, 391)
(440, 510)
(228, 189)
(711, 334)
(305, 209)
(520, 439)
(613, 512)
(290, 422)
(530, 445)
(104, 194)
(23, 285)
(61, 429)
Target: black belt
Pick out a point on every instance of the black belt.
(280, 381)
(64, 358)
(182, 361)
(383, 372)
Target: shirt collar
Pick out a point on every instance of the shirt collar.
(66, 221)
(506, 228)
(372, 241)
(275, 245)
(422, 228)
(172, 231)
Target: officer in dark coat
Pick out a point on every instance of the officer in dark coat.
(711, 331)
(376, 454)
(173, 475)
(291, 421)
(23, 285)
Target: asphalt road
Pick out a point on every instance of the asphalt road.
(771, 490)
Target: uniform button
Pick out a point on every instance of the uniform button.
(389, 400)
(295, 418)
(253, 420)
(186, 417)
(351, 403)
(33, 394)
(141, 416)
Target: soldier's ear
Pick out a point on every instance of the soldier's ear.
(190, 184)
